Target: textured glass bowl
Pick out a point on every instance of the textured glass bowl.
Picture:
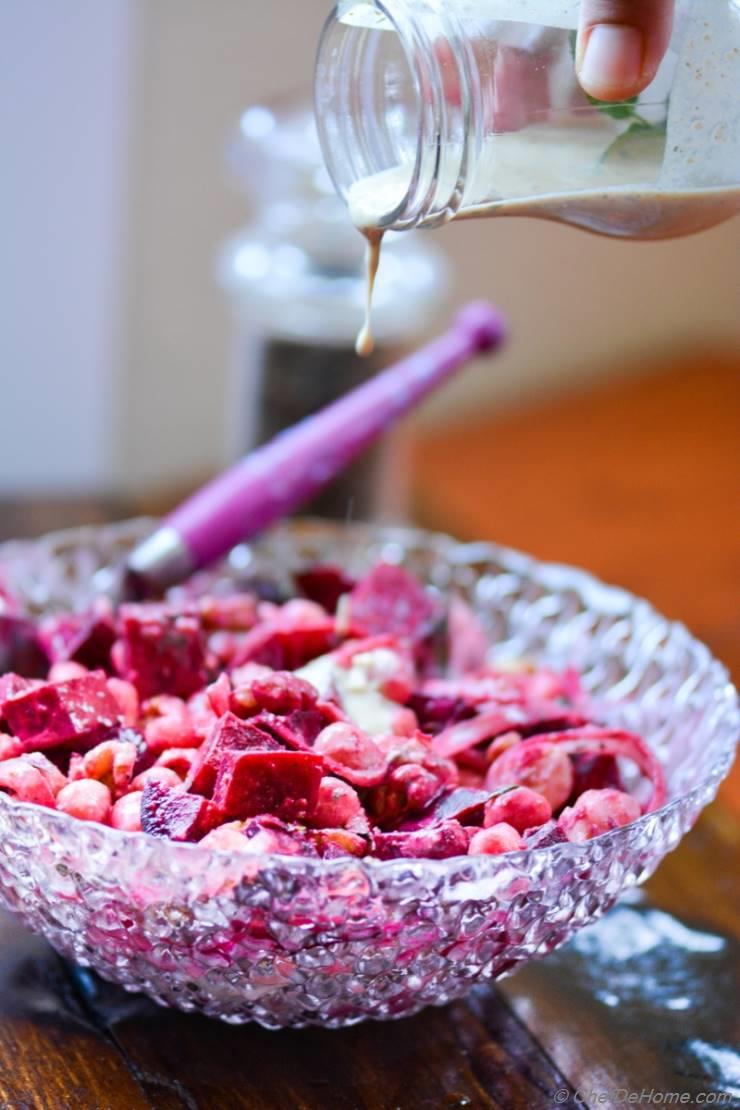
(293, 941)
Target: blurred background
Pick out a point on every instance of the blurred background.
(132, 176)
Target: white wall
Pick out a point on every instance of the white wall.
(64, 79)
(200, 63)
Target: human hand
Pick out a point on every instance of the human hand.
(621, 44)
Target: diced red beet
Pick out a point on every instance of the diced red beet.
(388, 600)
(324, 584)
(463, 803)
(161, 652)
(595, 772)
(82, 710)
(83, 637)
(298, 730)
(229, 734)
(437, 713)
(19, 646)
(285, 784)
(286, 648)
(545, 836)
(175, 814)
(448, 838)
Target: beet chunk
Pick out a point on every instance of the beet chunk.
(83, 637)
(595, 772)
(173, 813)
(437, 713)
(389, 601)
(82, 710)
(284, 784)
(228, 734)
(161, 652)
(286, 648)
(324, 584)
(464, 803)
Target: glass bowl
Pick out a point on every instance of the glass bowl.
(293, 941)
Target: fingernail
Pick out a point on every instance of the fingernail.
(612, 58)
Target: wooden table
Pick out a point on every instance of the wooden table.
(634, 481)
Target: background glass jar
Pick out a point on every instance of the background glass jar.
(432, 109)
(295, 280)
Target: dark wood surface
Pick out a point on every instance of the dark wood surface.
(636, 482)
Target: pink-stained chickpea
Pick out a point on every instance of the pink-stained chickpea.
(163, 705)
(25, 783)
(65, 669)
(298, 612)
(227, 838)
(126, 813)
(337, 805)
(597, 812)
(244, 675)
(495, 840)
(127, 700)
(86, 799)
(200, 712)
(10, 746)
(168, 724)
(243, 702)
(179, 760)
(521, 808)
(352, 754)
(501, 744)
(283, 692)
(218, 694)
(404, 722)
(52, 774)
(236, 613)
(164, 775)
(76, 768)
(418, 785)
(111, 762)
(269, 841)
(544, 768)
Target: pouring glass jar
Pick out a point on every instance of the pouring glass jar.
(434, 109)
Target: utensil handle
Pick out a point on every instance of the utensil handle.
(275, 479)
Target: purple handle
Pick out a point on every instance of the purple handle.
(275, 479)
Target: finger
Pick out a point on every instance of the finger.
(621, 44)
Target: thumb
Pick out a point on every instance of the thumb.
(621, 44)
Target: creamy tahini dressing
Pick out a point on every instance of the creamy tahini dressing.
(555, 173)
(365, 342)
